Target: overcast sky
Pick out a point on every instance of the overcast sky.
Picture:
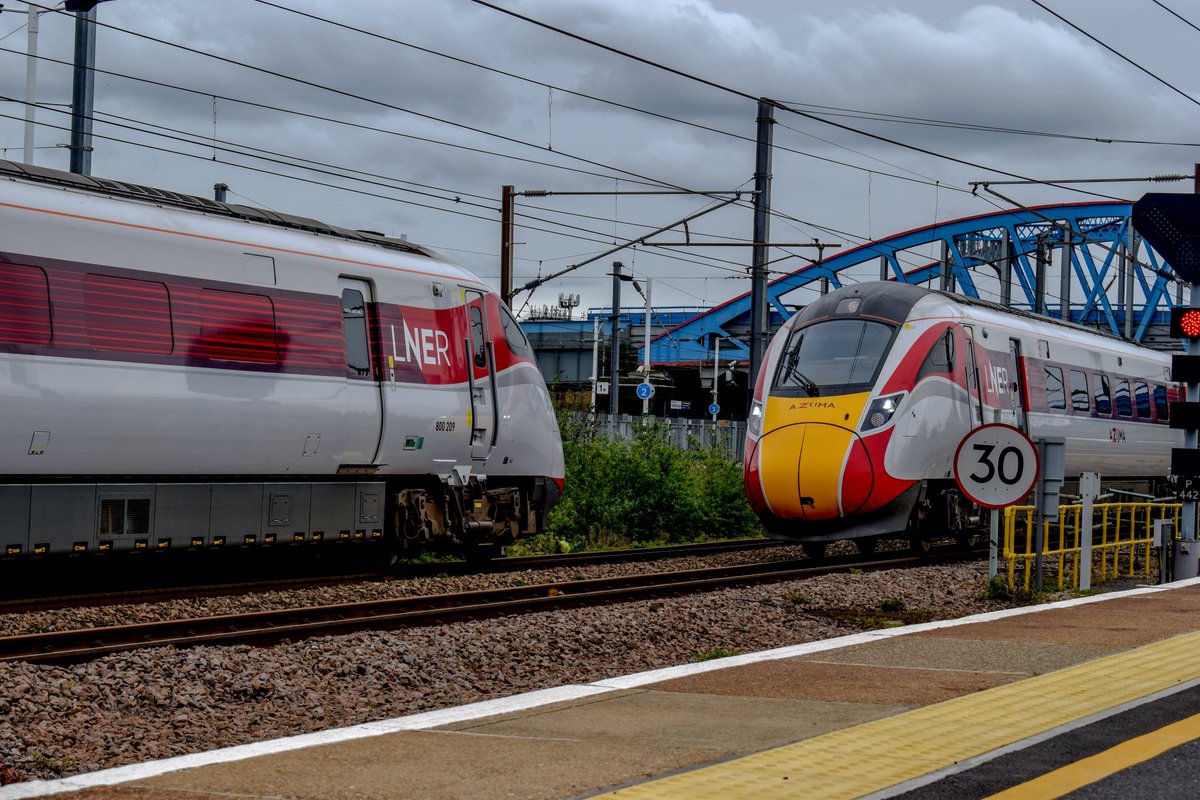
(377, 117)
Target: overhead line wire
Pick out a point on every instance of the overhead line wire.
(371, 101)
(206, 140)
(834, 111)
(207, 143)
(1177, 15)
(564, 90)
(351, 95)
(320, 118)
(1115, 52)
(739, 93)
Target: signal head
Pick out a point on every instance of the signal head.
(1185, 322)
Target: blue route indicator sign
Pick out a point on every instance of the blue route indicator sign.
(714, 409)
(645, 391)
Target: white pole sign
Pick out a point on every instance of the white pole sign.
(996, 465)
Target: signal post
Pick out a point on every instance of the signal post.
(1171, 224)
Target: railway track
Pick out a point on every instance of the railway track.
(158, 594)
(269, 627)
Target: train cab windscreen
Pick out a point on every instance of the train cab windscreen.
(839, 356)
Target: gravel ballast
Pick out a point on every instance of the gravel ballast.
(161, 702)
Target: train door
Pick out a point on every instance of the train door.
(1017, 393)
(481, 373)
(364, 394)
(974, 392)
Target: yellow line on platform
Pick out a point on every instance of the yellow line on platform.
(868, 758)
(1111, 761)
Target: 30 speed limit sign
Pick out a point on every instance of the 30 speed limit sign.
(996, 465)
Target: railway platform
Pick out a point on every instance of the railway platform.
(885, 713)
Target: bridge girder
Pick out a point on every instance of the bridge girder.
(1113, 280)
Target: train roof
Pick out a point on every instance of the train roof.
(165, 197)
(894, 300)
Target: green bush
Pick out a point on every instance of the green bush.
(646, 491)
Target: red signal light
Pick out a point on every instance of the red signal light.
(1185, 323)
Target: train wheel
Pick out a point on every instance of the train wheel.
(865, 545)
(479, 554)
(814, 550)
(965, 540)
(921, 545)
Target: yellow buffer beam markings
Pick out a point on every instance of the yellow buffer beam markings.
(871, 757)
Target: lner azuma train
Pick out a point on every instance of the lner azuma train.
(178, 373)
(865, 394)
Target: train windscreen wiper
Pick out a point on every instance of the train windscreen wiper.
(793, 375)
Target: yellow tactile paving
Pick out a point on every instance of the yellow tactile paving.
(868, 758)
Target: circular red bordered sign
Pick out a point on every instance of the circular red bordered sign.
(996, 465)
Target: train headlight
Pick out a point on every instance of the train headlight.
(881, 410)
(756, 418)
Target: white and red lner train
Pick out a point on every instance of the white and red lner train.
(181, 373)
(865, 394)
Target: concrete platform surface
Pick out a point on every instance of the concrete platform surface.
(810, 720)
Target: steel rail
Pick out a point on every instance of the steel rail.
(158, 594)
(270, 627)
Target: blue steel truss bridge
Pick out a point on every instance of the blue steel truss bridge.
(1082, 262)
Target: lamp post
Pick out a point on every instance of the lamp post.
(646, 348)
(31, 48)
(614, 387)
(716, 375)
(83, 83)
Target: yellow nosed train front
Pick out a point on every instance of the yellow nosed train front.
(812, 463)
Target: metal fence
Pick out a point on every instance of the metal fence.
(685, 434)
(1122, 542)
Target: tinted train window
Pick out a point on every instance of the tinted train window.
(354, 318)
(513, 334)
(1056, 395)
(1121, 397)
(940, 358)
(237, 327)
(24, 305)
(1141, 395)
(1100, 392)
(477, 341)
(834, 357)
(1079, 391)
(1162, 409)
(129, 315)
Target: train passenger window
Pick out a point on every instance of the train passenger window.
(235, 326)
(133, 316)
(1141, 396)
(1056, 395)
(513, 334)
(477, 338)
(1121, 398)
(354, 319)
(1080, 400)
(1100, 392)
(24, 305)
(1162, 409)
(834, 357)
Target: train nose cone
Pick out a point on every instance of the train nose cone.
(814, 471)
